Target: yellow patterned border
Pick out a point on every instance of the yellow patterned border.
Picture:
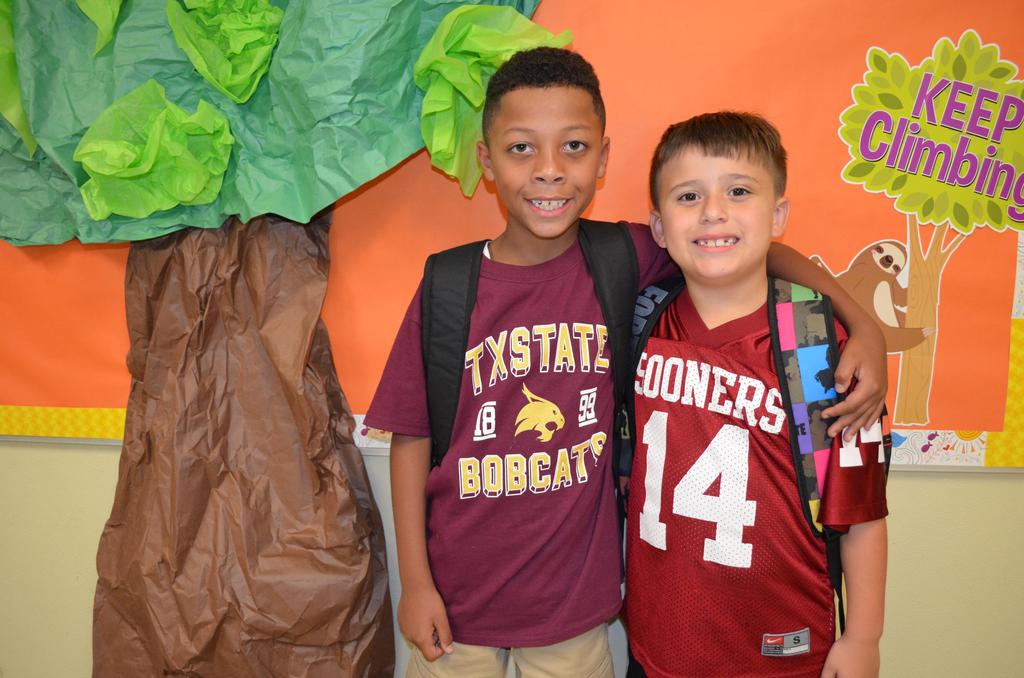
(62, 422)
(1006, 447)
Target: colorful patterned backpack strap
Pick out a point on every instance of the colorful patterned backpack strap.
(806, 353)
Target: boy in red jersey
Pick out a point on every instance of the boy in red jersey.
(724, 576)
(509, 549)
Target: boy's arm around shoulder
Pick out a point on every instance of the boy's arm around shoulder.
(421, 611)
(864, 357)
(864, 552)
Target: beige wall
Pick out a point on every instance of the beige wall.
(956, 575)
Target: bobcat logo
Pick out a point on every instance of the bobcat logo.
(540, 415)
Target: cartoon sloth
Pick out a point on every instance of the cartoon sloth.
(877, 280)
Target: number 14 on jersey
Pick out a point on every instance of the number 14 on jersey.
(726, 457)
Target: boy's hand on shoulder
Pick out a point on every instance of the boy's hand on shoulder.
(863, 360)
(852, 658)
(423, 619)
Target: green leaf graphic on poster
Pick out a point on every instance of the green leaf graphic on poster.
(103, 13)
(230, 42)
(144, 154)
(945, 140)
(944, 135)
(454, 69)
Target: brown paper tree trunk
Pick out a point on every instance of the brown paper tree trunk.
(244, 539)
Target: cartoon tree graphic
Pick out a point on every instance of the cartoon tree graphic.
(945, 140)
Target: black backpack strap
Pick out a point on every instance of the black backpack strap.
(448, 295)
(886, 441)
(647, 308)
(834, 560)
(611, 257)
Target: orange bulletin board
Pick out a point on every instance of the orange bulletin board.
(63, 337)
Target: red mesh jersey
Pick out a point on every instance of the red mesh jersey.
(724, 577)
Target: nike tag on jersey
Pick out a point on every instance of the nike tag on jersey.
(786, 644)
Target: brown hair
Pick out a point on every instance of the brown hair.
(723, 134)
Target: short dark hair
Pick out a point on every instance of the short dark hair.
(723, 134)
(542, 67)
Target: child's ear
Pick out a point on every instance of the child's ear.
(606, 144)
(658, 230)
(780, 217)
(483, 154)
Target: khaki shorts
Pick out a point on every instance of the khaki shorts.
(585, 656)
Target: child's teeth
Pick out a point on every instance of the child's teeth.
(548, 204)
(718, 242)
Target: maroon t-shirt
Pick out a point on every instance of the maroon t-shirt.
(724, 576)
(521, 517)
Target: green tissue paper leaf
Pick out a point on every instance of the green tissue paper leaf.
(230, 42)
(34, 180)
(454, 69)
(336, 108)
(144, 154)
(10, 91)
(103, 13)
